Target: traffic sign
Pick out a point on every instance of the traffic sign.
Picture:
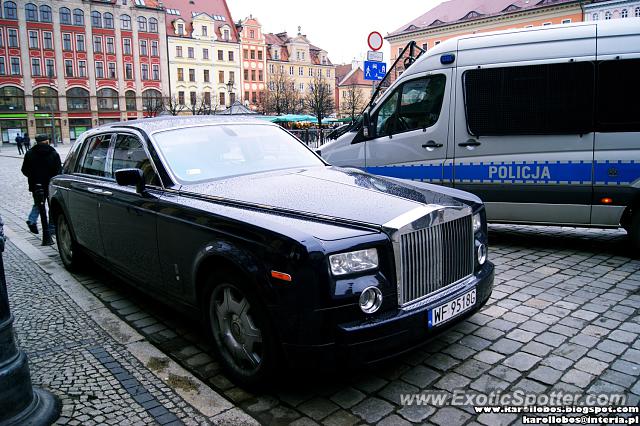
(375, 40)
(374, 56)
(374, 70)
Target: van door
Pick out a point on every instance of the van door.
(524, 129)
(411, 129)
(617, 145)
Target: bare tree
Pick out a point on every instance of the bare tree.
(281, 96)
(320, 98)
(353, 101)
(152, 106)
(173, 105)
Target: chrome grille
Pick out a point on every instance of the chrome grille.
(434, 257)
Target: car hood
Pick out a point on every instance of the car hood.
(326, 192)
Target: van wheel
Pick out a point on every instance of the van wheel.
(67, 246)
(242, 334)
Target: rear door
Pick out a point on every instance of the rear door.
(411, 129)
(617, 145)
(524, 124)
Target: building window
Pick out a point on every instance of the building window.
(33, 39)
(3, 68)
(222, 99)
(82, 68)
(302, 87)
(220, 55)
(178, 51)
(130, 100)
(10, 10)
(45, 99)
(78, 17)
(79, 43)
(153, 25)
(206, 76)
(125, 22)
(207, 98)
(192, 74)
(607, 15)
(31, 12)
(68, 68)
(50, 68)
(155, 72)
(77, 99)
(181, 97)
(13, 37)
(151, 100)
(252, 34)
(624, 13)
(253, 75)
(245, 54)
(145, 72)
(180, 29)
(300, 71)
(566, 21)
(204, 30)
(253, 54)
(108, 20)
(192, 98)
(15, 66)
(99, 69)
(112, 70)
(246, 75)
(230, 55)
(66, 41)
(154, 48)
(260, 55)
(180, 74)
(107, 100)
(97, 44)
(128, 71)
(96, 19)
(232, 76)
(47, 40)
(291, 71)
(272, 68)
(190, 52)
(11, 99)
(205, 53)
(142, 23)
(595, 17)
(221, 77)
(310, 72)
(246, 95)
(226, 35)
(260, 75)
(126, 46)
(143, 47)
(35, 67)
(65, 16)
(110, 45)
(45, 13)
(637, 12)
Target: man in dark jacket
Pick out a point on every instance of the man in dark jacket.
(19, 143)
(26, 141)
(40, 164)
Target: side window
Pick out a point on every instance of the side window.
(384, 118)
(618, 95)
(530, 100)
(421, 103)
(129, 154)
(95, 157)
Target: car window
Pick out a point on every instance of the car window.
(385, 116)
(421, 103)
(95, 158)
(128, 153)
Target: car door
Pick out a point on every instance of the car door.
(524, 124)
(86, 191)
(411, 129)
(128, 220)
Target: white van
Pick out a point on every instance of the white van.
(543, 124)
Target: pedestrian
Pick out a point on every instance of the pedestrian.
(19, 143)
(40, 164)
(26, 142)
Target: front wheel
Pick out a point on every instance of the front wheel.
(241, 332)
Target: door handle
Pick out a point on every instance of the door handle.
(470, 142)
(99, 191)
(432, 145)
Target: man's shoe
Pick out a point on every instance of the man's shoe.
(32, 227)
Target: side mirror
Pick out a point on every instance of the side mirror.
(131, 177)
(367, 131)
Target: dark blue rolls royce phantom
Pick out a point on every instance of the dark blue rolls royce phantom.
(287, 258)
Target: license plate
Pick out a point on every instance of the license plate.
(451, 309)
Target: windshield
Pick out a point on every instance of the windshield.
(196, 154)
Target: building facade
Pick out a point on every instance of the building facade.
(454, 18)
(79, 64)
(353, 92)
(612, 9)
(204, 56)
(254, 63)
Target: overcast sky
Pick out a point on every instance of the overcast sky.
(338, 26)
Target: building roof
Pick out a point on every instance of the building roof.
(354, 78)
(456, 11)
(282, 40)
(342, 70)
(188, 9)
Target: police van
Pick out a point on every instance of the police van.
(543, 124)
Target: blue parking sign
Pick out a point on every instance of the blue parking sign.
(374, 70)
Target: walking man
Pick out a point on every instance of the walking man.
(40, 164)
(26, 141)
(19, 143)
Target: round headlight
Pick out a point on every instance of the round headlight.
(482, 253)
(370, 300)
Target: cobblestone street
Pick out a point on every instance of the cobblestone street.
(564, 315)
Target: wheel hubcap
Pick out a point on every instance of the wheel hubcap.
(235, 329)
(64, 239)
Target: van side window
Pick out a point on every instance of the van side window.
(530, 100)
(619, 96)
(95, 158)
(384, 118)
(421, 103)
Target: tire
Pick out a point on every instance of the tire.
(241, 331)
(67, 246)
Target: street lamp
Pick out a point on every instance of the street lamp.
(230, 90)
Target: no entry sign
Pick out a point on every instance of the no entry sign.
(375, 41)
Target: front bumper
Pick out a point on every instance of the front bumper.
(390, 334)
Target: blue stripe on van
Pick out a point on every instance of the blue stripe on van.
(616, 172)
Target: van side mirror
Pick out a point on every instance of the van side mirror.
(131, 177)
(367, 131)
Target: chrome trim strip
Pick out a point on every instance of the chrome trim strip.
(411, 216)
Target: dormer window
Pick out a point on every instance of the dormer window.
(204, 31)
(226, 35)
(252, 34)
(180, 29)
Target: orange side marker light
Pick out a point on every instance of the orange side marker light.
(281, 276)
(606, 200)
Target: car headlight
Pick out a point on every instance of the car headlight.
(477, 222)
(354, 261)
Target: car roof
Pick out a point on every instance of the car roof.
(150, 125)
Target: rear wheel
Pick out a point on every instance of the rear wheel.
(67, 247)
(241, 332)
